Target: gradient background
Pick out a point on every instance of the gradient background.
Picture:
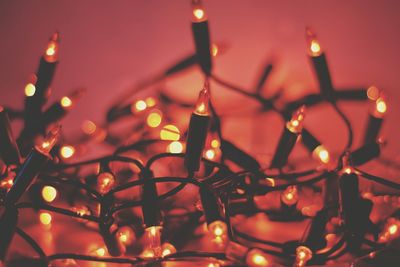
(108, 46)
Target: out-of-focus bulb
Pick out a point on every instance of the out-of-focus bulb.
(153, 240)
(30, 89)
(303, 255)
(67, 102)
(49, 193)
(295, 125)
(126, 235)
(175, 147)
(51, 53)
(154, 118)
(380, 107)
(67, 151)
(314, 47)
(373, 92)
(218, 229)
(290, 196)
(51, 139)
(198, 12)
(150, 101)
(167, 249)
(138, 106)
(100, 252)
(256, 258)
(170, 132)
(105, 182)
(210, 154)
(322, 154)
(45, 218)
(215, 143)
(202, 105)
(89, 127)
(390, 231)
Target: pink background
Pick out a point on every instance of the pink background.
(107, 46)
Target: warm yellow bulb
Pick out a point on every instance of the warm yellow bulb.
(100, 252)
(315, 48)
(373, 92)
(150, 102)
(167, 249)
(215, 143)
(218, 228)
(175, 147)
(105, 182)
(256, 258)
(210, 154)
(198, 14)
(66, 102)
(49, 193)
(88, 127)
(67, 151)
(45, 218)
(154, 118)
(170, 132)
(126, 235)
(393, 229)
(140, 105)
(321, 154)
(381, 106)
(290, 195)
(30, 89)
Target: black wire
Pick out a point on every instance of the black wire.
(378, 179)
(31, 242)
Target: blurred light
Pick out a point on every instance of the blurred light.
(30, 89)
(88, 127)
(140, 105)
(66, 102)
(215, 143)
(126, 235)
(67, 151)
(154, 118)
(170, 132)
(150, 102)
(49, 193)
(210, 154)
(218, 228)
(105, 182)
(45, 218)
(373, 92)
(167, 249)
(321, 154)
(256, 258)
(175, 147)
(295, 125)
(290, 195)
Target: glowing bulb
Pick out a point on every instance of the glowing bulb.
(393, 229)
(198, 12)
(380, 107)
(150, 102)
(175, 147)
(51, 53)
(215, 143)
(390, 230)
(154, 118)
(170, 132)
(147, 253)
(303, 255)
(214, 50)
(295, 125)
(202, 105)
(218, 229)
(51, 139)
(314, 48)
(256, 258)
(153, 240)
(373, 92)
(321, 154)
(88, 127)
(126, 235)
(100, 252)
(167, 249)
(210, 154)
(45, 218)
(66, 102)
(140, 105)
(105, 182)
(49, 193)
(67, 151)
(290, 195)
(30, 89)
(7, 182)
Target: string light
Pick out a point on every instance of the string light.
(290, 196)
(175, 147)
(49, 193)
(126, 235)
(105, 182)
(257, 258)
(170, 132)
(67, 151)
(51, 53)
(154, 118)
(375, 119)
(45, 218)
(303, 255)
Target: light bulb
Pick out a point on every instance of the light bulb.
(373, 92)
(89, 127)
(314, 47)
(49, 193)
(390, 231)
(51, 53)
(218, 229)
(290, 195)
(380, 107)
(67, 151)
(322, 154)
(167, 249)
(67, 102)
(51, 139)
(45, 218)
(153, 240)
(30, 89)
(256, 258)
(198, 12)
(175, 147)
(154, 118)
(210, 154)
(295, 125)
(170, 132)
(202, 105)
(138, 106)
(303, 255)
(126, 235)
(105, 182)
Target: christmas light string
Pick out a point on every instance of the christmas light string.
(219, 186)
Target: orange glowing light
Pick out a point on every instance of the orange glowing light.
(66, 102)
(67, 151)
(30, 89)
(51, 53)
(215, 143)
(303, 255)
(51, 139)
(214, 50)
(150, 101)
(167, 249)
(295, 125)
(126, 235)
(100, 252)
(198, 12)
(49, 193)
(7, 183)
(105, 182)
(154, 118)
(314, 47)
(373, 92)
(210, 154)
(88, 127)
(321, 154)
(218, 228)
(147, 253)
(170, 132)
(380, 107)
(175, 147)
(256, 258)
(348, 170)
(393, 229)
(290, 196)
(140, 105)
(271, 181)
(45, 218)
(202, 105)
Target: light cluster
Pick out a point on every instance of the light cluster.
(133, 208)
